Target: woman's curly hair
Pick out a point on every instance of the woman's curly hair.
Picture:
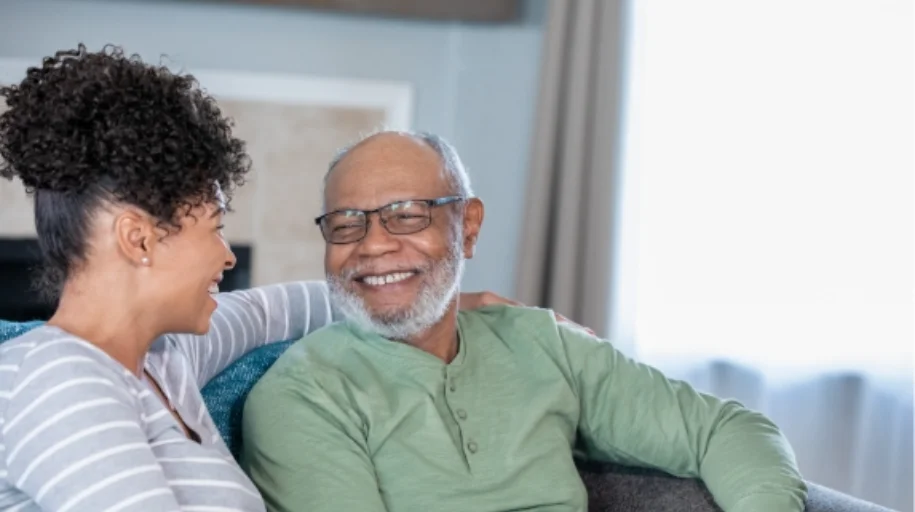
(89, 127)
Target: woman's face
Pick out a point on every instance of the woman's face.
(188, 266)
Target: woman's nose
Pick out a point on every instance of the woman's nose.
(230, 258)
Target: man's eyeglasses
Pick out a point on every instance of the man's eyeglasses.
(400, 218)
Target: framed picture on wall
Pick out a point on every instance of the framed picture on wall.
(481, 11)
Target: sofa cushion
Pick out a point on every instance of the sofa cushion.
(612, 487)
(225, 395)
(9, 330)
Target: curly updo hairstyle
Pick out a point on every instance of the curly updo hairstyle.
(89, 128)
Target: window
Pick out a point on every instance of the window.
(768, 183)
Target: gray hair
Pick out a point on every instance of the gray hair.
(455, 173)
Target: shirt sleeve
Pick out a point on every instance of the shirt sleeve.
(247, 319)
(73, 439)
(632, 414)
(305, 451)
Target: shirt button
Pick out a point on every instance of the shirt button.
(462, 414)
(452, 387)
(472, 447)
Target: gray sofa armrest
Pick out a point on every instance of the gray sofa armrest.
(616, 488)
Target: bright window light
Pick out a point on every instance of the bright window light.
(768, 178)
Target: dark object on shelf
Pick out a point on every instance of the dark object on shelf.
(19, 261)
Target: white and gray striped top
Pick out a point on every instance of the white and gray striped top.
(79, 432)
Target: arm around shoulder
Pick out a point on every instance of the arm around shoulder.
(305, 449)
(632, 414)
(247, 319)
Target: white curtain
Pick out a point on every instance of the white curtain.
(767, 220)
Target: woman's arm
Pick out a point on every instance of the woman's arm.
(247, 319)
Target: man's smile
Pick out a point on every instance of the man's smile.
(378, 280)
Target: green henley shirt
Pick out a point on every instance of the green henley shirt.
(348, 421)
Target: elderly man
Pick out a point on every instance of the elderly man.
(412, 405)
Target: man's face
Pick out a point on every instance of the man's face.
(398, 285)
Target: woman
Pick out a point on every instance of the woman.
(132, 169)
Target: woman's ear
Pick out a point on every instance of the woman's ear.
(136, 236)
(473, 222)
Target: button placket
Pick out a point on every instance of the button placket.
(460, 413)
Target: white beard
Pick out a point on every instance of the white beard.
(435, 296)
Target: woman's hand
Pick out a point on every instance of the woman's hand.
(476, 300)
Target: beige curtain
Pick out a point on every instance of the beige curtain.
(567, 242)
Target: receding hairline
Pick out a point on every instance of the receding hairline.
(451, 166)
(352, 148)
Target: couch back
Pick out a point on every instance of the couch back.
(225, 395)
(9, 330)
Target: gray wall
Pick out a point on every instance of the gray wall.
(474, 84)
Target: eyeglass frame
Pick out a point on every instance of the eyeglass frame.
(431, 203)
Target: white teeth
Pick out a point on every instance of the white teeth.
(387, 279)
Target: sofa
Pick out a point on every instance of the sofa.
(610, 487)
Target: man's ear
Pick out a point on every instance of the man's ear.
(473, 222)
(136, 236)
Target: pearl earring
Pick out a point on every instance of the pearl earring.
(144, 260)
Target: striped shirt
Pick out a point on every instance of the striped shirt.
(79, 432)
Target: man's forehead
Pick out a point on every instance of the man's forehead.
(390, 150)
(393, 167)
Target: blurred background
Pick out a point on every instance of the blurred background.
(724, 188)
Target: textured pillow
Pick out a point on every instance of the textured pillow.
(225, 394)
(9, 330)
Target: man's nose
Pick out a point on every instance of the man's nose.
(378, 240)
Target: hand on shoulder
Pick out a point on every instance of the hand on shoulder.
(476, 300)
